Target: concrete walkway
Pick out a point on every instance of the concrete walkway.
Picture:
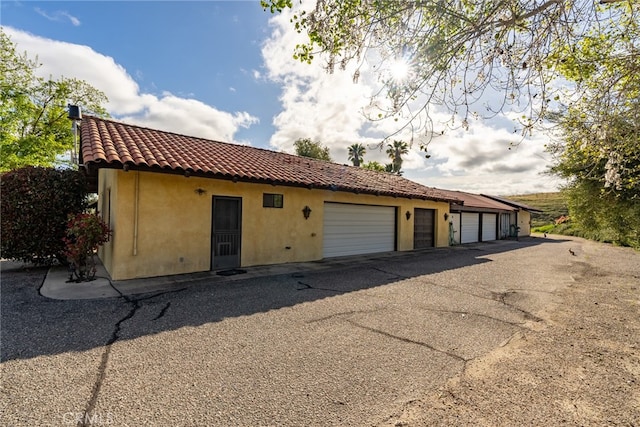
(57, 285)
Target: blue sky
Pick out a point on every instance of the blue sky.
(224, 70)
(207, 50)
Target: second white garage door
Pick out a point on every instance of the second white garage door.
(470, 227)
(489, 223)
(358, 229)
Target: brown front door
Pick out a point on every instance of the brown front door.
(423, 225)
(226, 232)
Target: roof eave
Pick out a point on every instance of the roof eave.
(93, 166)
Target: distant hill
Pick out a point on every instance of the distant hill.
(553, 206)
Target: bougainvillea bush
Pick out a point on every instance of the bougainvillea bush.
(85, 234)
(36, 203)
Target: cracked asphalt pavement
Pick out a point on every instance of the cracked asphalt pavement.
(487, 334)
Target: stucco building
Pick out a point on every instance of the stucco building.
(180, 204)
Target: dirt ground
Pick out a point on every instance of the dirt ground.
(579, 366)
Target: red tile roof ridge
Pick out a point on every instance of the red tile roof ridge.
(207, 140)
(473, 200)
(112, 143)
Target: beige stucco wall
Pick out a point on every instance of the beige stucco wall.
(162, 223)
(524, 222)
(107, 194)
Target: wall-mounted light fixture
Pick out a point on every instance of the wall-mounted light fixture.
(408, 215)
(306, 212)
(446, 216)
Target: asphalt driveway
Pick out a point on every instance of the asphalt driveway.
(351, 345)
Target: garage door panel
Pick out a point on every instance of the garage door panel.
(357, 229)
(347, 239)
(470, 227)
(489, 231)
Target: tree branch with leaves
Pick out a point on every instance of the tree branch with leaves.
(473, 58)
(34, 128)
(305, 147)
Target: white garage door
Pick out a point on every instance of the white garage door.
(358, 229)
(489, 222)
(470, 227)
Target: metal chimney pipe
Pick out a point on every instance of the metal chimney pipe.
(75, 114)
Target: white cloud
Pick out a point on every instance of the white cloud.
(58, 16)
(486, 160)
(316, 105)
(126, 101)
(189, 117)
(330, 108)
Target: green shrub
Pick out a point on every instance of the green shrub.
(605, 216)
(36, 203)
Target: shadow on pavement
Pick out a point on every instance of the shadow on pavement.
(33, 325)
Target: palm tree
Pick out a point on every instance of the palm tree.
(395, 152)
(356, 153)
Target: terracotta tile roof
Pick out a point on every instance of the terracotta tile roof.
(477, 202)
(111, 144)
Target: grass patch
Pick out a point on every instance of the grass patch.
(553, 206)
(544, 229)
(569, 229)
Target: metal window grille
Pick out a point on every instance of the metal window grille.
(272, 200)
